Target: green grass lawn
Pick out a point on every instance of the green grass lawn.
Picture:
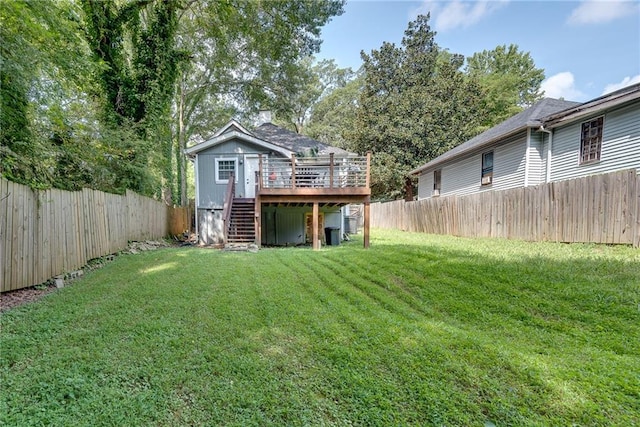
(419, 329)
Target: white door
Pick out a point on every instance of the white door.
(251, 164)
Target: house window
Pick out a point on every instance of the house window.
(591, 140)
(437, 180)
(487, 168)
(225, 167)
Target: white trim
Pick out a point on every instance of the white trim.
(527, 154)
(229, 124)
(591, 162)
(244, 170)
(197, 203)
(593, 107)
(231, 135)
(547, 177)
(216, 170)
(486, 180)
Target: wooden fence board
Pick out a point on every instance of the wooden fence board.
(600, 208)
(4, 197)
(636, 197)
(51, 232)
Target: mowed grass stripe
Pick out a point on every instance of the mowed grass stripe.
(422, 330)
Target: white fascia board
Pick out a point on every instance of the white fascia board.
(589, 108)
(231, 135)
(230, 123)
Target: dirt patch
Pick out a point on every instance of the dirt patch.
(11, 299)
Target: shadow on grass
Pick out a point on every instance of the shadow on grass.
(432, 330)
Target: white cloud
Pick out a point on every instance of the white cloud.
(562, 85)
(453, 14)
(601, 11)
(627, 81)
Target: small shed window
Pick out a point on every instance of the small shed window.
(591, 140)
(437, 182)
(225, 167)
(487, 168)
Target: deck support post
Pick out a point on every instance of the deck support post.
(367, 221)
(316, 221)
(257, 209)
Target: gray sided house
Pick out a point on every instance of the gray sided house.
(271, 186)
(552, 140)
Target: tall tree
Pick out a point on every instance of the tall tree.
(44, 76)
(242, 54)
(293, 98)
(509, 79)
(136, 43)
(415, 105)
(333, 116)
(163, 71)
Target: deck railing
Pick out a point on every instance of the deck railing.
(314, 172)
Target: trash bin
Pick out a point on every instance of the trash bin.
(332, 234)
(353, 225)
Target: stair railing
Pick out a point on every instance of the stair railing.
(228, 205)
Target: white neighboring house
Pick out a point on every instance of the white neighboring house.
(552, 140)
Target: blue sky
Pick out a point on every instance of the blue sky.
(587, 48)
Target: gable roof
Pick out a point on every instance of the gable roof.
(531, 117)
(293, 141)
(232, 134)
(613, 99)
(231, 126)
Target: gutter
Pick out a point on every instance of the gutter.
(549, 149)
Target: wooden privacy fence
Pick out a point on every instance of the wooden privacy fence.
(180, 218)
(600, 209)
(48, 233)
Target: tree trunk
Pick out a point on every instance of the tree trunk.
(182, 145)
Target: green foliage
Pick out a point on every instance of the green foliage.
(415, 105)
(333, 116)
(135, 41)
(295, 97)
(509, 79)
(45, 74)
(417, 330)
(88, 88)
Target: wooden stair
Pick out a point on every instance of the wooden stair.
(242, 222)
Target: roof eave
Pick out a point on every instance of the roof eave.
(618, 98)
(437, 161)
(191, 151)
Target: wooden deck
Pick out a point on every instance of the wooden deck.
(314, 181)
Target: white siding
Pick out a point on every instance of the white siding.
(620, 145)
(544, 138)
(536, 159)
(462, 176)
(509, 160)
(425, 185)
(209, 196)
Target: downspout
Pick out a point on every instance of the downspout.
(195, 213)
(549, 150)
(527, 153)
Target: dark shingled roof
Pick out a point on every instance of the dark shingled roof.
(525, 119)
(294, 141)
